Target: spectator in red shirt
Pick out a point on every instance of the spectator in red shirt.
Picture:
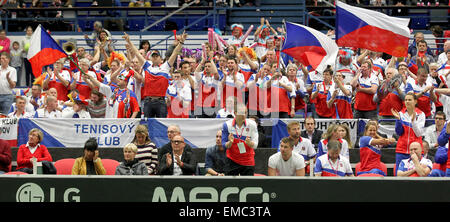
(32, 150)
(5, 156)
(4, 42)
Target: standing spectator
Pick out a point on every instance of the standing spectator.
(8, 79)
(413, 48)
(122, 102)
(416, 165)
(208, 82)
(50, 109)
(341, 97)
(237, 36)
(78, 109)
(442, 58)
(79, 78)
(365, 84)
(320, 95)
(424, 91)
(370, 151)
(422, 59)
(147, 151)
(240, 138)
(432, 132)
(178, 161)
(156, 78)
(29, 77)
(286, 162)
(280, 96)
(58, 78)
(391, 94)
(311, 132)
(233, 82)
(90, 163)
(131, 165)
(5, 43)
(409, 126)
(179, 97)
(216, 158)
(92, 39)
(16, 60)
(332, 164)
(299, 88)
(262, 34)
(32, 150)
(96, 104)
(5, 156)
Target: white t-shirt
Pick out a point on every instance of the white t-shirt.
(4, 84)
(286, 168)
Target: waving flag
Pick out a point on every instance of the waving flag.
(309, 46)
(43, 51)
(362, 28)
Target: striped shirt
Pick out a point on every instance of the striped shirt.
(97, 110)
(148, 154)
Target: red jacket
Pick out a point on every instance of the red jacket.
(24, 155)
(5, 155)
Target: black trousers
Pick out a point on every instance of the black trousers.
(234, 169)
(155, 108)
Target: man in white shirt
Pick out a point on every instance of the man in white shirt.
(8, 79)
(49, 110)
(416, 165)
(286, 162)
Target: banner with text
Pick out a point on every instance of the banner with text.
(8, 130)
(75, 132)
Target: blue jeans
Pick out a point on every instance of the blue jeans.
(5, 102)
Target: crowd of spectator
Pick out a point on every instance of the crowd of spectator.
(236, 78)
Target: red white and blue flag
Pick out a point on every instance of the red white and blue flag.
(363, 28)
(43, 51)
(309, 46)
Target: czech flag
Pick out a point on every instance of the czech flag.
(309, 46)
(43, 51)
(363, 28)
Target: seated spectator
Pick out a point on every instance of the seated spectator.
(215, 158)
(440, 158)
(302, 146)
(432, 132)
(443, 141)
(412, 49)
(78, 110)
(131, 165)
(370, 150)
(32, 151)
(147, 151)
(416, 165)
(49, 110)
(5, 156)
(20, 111)
(286, 162)
(172, 131)
(423, 59)
(89, 163)
(333, 134)
(332, 164)
(426, 149)
(311, 132)
(178, 162)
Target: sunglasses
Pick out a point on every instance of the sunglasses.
(177, 142)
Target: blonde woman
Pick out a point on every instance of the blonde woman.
(32, 149)
(130, 165)
(147, 152)
(333, 134)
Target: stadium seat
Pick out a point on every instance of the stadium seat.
(64, 166)
(110, 166)
(15, 173)
(258, 174)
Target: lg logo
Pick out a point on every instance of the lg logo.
(31, 192)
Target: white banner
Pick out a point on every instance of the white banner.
(8, 130)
